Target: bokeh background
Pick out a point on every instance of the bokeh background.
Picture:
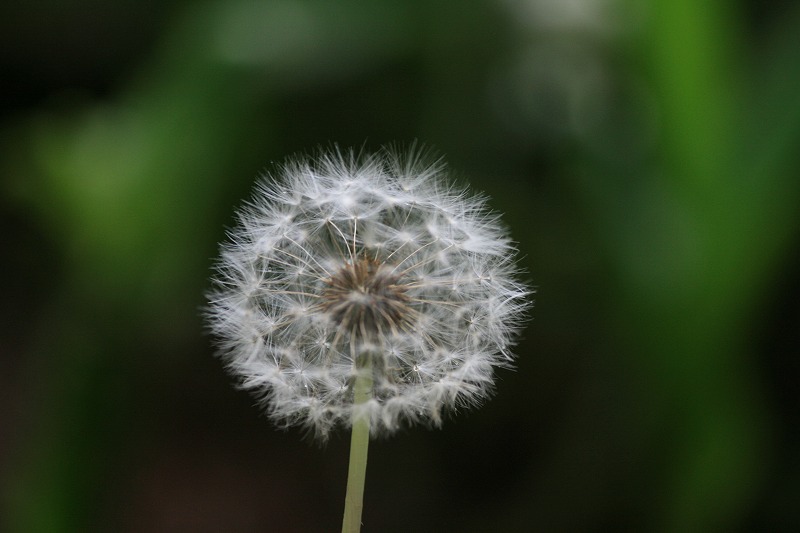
(645, 154)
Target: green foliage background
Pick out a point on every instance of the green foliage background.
(644, 154)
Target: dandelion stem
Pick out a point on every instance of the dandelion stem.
(359, 445)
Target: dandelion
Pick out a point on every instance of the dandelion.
(365, 292)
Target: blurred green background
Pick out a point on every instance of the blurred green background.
(645, 155)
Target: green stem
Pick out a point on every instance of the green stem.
(359, 445)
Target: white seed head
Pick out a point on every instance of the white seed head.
(346, 258)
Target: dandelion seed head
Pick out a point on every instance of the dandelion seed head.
(342, 257)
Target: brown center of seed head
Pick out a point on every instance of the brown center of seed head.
(365, 298)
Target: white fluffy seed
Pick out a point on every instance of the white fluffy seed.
(343, 257)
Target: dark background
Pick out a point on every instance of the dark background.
(645, 155)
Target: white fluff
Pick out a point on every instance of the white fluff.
(443, 265)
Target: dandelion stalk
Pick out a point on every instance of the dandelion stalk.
(359, 446)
